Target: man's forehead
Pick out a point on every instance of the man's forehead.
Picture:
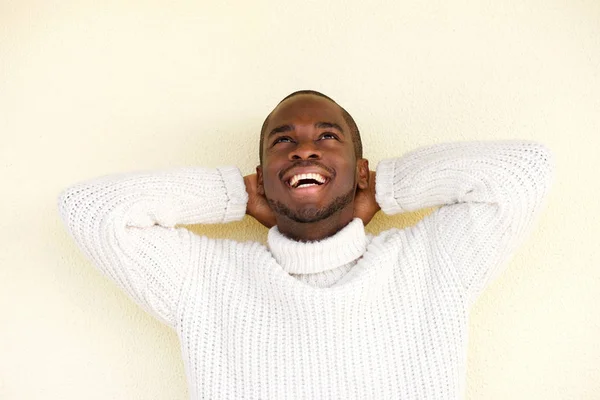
(306, 107)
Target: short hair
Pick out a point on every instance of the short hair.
(356, 140)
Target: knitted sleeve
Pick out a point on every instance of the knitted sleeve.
(126, 225)
(490, 194)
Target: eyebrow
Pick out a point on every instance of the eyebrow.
(329, 125)
(281, 129)
(318, 125)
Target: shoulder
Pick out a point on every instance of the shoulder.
(229, 248)
(418, 237)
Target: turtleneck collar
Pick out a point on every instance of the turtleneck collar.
(342, 248)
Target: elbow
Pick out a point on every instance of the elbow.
(64, 204)
(75, 206)
(541, 160)
(69, 200)
(544, 167)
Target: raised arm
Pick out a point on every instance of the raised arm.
(126, 225)
(490, 194)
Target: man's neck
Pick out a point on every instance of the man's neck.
(313, 231)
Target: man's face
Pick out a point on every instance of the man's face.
(309, 169)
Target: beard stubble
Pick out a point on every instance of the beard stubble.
(313, 214)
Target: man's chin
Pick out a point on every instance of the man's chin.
(309, 213)
(303, 215)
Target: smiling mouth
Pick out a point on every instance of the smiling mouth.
(301, 181)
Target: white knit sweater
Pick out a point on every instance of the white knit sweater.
(349, 317)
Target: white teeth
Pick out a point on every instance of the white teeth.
(317, 177)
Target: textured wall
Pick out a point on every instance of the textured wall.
(89, 88)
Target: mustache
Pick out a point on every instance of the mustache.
(307, 163)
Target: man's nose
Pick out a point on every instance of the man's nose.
(305, 150)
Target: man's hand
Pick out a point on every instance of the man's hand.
(365, 205)
(258, 207)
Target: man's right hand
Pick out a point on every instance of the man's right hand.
(258, 206)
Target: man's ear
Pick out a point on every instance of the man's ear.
(260, 188)
(363, 173)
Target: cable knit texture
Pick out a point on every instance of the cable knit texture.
(353, 316)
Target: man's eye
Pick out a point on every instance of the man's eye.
(328, 135)
(282, 139)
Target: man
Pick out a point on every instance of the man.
(325, 311)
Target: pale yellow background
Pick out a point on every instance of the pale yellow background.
(89, 88)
